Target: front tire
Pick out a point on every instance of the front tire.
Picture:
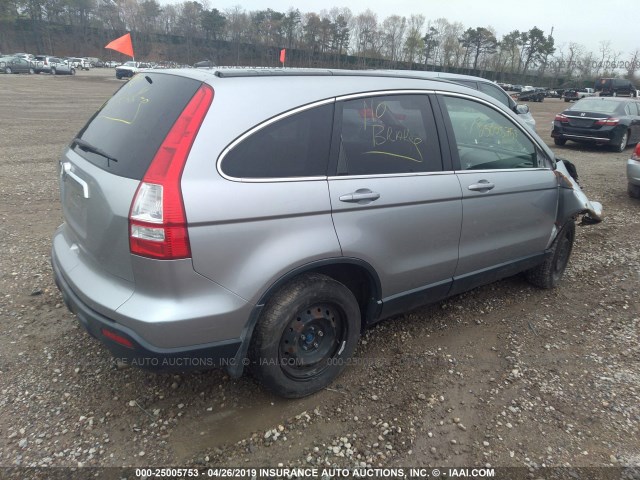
(559, 141)
(305, 335)
(548, 274)
(633, 190)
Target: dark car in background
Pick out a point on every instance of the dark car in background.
(16, 65)
(599, 120)
(613, 87)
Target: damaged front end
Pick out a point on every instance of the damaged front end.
(572, 200)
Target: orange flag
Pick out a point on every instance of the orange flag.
(122, 45)
(283, 54)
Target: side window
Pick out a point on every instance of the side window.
(486, 139)
(295, 146)
(495, 92)
(387, 135)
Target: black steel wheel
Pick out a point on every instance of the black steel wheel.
(306, 333)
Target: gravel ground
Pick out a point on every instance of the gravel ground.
(504, 376)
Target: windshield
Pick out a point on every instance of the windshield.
(599, 105)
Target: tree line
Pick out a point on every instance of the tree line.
(331, 35)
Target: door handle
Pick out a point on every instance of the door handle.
(362, 195)
(481, 186)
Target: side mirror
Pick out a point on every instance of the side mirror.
(522, 109)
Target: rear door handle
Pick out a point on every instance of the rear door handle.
(362, 195)
(481, 186)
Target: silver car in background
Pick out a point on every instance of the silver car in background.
(235, 217)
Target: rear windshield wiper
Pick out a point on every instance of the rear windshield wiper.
(87, 147)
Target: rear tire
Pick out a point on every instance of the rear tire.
(305, 335)
(633, 190)
(559, 141)
(548, 274)
(624, 140)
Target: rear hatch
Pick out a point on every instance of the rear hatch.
(103, 166)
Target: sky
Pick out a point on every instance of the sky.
(587, 22)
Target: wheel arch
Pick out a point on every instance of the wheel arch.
(356, 274)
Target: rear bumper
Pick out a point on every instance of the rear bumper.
(604, 136)
(134, 350)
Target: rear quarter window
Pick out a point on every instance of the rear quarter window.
(131, 126)
(296, 145)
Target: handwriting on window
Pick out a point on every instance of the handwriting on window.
(389, 133)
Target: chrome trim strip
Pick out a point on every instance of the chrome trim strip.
(65, 171)
(488, 170)
(353, 96)
(586, 118)
(389, 175)
(569, 135)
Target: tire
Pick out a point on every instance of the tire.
(559, 141)
(633, 190)
(8, 70)
(548, 274)
(53, 70)
(304, 336)
(622, 144)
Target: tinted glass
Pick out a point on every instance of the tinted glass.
(295, 146)
(495, 92)
(131, 126)
(486, 139)
(388, 134)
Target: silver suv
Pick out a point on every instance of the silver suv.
(233, 218)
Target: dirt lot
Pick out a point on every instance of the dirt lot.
(505, 375)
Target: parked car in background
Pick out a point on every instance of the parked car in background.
(62, 67)
(612, 87)
(128, 69)
(204, 64)
(535, 95)
(79, 63)
(599, 120)
(16, 65)
(573, 94)
(353, 187)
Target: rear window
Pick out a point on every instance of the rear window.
(596, 105)
(131, 126)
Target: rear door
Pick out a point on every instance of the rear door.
(395, 201)
(509, 192)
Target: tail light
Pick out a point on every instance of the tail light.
(608, 122)
(561, 118)
(636, 153)
(157, 220)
